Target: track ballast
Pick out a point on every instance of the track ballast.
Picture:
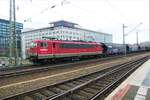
(89, 87)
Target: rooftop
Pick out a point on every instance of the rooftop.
(63, 23)
(7, 21)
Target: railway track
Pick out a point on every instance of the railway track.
(10, 72)
(90, 87)
(4, 73)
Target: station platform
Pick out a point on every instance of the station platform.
(135, 87)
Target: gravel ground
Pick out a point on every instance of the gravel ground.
(52, 71)
(24, 83)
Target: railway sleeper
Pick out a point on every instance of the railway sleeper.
(70, 85)
(95, 87)
(76, 82)
(80, 80)
(83, 93)
(64, 87)
(107, 81)
(37, 96)
(76, 97)
(104, 83)
(86, 79)
(90, 90)
(47, 93)
(26, 98)
(57, 90)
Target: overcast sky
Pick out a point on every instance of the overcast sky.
(99, 15)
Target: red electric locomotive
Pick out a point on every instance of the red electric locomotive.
(48, 50)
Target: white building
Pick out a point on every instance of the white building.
(63, 30)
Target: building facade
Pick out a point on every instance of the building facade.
(63, 30)
(4, 36)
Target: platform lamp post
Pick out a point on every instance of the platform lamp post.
(137, 38)
(123, 28)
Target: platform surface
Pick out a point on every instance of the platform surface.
(135, 87)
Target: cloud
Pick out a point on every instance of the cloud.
(107, 15)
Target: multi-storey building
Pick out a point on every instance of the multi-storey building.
(63, 30)
(4, 36)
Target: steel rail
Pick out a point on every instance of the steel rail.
(71, 91)
(33, 69)
(112, 86)
(99, 73)
(58, 93)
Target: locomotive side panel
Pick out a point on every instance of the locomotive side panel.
(76, 49)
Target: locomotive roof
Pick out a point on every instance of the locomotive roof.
(61, 41)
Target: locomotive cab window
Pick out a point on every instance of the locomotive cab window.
(32, 45)
(43, 44)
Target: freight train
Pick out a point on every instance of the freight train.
(43, 51)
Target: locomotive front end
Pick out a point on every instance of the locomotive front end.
(32, 52)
